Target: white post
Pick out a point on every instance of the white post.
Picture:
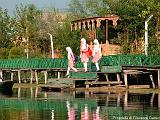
(146, 39)
(52, 45)
(146, 35)
(27, 48)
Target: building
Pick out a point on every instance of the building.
(95, 25)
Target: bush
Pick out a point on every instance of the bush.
(17, 52)
(3, 53)
(35, 53)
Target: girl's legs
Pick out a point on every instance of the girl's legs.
(85, 66)
(97, 66)
(73, 68)
(68, 69)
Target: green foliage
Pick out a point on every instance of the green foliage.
(36, 54)
(5, 29)
(34, 25)
(3, 53)
(16, 52)
(65, 37)
(27, 24)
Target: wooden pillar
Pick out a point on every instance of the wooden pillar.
(107, 100)
(86, 93)
(98, 23)
(106, 48)
(87, 86)
(90, 38)
(106, 75)
(79, 25)
(45, 76)
(94, 25)
(151, 78)
(81, 33)
(19, 76)
(125, 80)
(19, 92)
(84, 26)
(159, 78)
(1, 74)
(31, 76)
(75, 26)
(45, 95)
(31, 89)
(74, 93)
(106, 31)
(11, 75)
(126, 100)
(71, 27)
(59, 74)
(81, 28)
(152, 99)
(36, 75)
(36, 92)
(118, 77)
(118, 99)
(159, 100)
(90, 33)
(74, 84)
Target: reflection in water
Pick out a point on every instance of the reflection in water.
(85, 113)
(71, 111)
(52, 115)
(96, 114)
(159, 100)
(32, 103)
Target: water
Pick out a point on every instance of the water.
(34, 104)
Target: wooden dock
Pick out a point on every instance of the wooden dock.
(112, 77)
(116, 71)
(54, 88)
(57, 85)
(119, 76)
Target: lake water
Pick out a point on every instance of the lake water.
(34, 104)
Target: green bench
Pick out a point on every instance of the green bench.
(111, 69)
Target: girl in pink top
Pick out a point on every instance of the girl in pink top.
(71, 61)
(83, 55)
(97, 54)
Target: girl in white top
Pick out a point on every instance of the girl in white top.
(97, 54)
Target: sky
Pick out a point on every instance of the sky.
(10, 5)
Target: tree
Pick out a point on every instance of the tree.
(65, 37)
(5, 31)
(132, 13)
(16, 52)
(27, 26)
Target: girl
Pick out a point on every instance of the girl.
(97, 54)
(83, 53)
(71, 61)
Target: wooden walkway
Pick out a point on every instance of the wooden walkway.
(114, 77)
(120, 77)
(116, 70)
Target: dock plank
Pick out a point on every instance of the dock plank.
(83, 75)
(101, 83)
(54, 87)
